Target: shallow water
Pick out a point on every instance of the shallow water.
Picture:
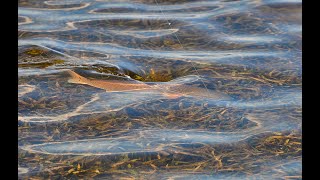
(248, 51)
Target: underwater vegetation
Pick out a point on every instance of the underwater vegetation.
(159, 89)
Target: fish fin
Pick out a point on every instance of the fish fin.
(171, 95)
(76, 78)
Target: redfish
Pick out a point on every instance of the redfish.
(167, 89)
(187, 90)
(108, 85)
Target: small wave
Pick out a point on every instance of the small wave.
(146, 34)
(24, 20)
(108, 48)
(22, 170)
(141, 141)
(24, 89)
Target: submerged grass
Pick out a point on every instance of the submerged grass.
(245, 157)
(266, 150)
(54, 95)
(41, 64)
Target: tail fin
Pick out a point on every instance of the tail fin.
(76, 78)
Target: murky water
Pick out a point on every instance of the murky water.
(163, 89)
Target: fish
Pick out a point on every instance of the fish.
(187, 90)
(169, 89)
(108, 85)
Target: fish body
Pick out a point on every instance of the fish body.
(167, 89)
(110, 85)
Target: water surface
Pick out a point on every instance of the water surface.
(248, 51)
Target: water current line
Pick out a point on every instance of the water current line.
(64, 54)
(57, 51)
(182, 46)
(69, 56)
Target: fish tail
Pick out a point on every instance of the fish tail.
(196, 91)
(76, 78)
